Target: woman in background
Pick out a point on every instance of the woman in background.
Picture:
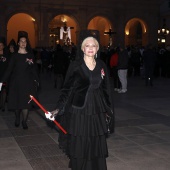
(23, 77)
(4, 60)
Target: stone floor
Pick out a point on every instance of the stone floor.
(141, 140)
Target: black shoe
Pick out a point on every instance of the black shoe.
(24, 125)
(3, 109)
(17, 122)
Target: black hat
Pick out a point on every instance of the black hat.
(89, 33)
(12, 43)
(22, 34)
(2, 40)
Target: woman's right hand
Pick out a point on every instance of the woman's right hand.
(0, 86)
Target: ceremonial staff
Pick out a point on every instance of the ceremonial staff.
(46, 112)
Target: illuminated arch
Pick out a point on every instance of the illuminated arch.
(22, 21)
(136, 32)
(54, 28)
(103, 25)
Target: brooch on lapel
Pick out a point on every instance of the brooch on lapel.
(102, 73)
(3, 59)
(29, 61)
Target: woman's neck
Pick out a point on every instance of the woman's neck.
(22, 51)
(89, 60)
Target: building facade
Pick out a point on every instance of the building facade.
(120, 22)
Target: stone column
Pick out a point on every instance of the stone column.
(43, 39)
(119, 37)
(3, 27)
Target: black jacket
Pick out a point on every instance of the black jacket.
(123, 59)
(77, 83)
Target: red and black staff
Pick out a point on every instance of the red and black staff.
(46, 112)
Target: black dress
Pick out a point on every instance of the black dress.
(86, 126)
(4, 61)
(21, 73)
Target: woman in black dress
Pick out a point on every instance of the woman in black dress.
(23, 76)
(4, 60)
(87, 97)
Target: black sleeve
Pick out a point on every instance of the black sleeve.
(9, 69)
(107, 93)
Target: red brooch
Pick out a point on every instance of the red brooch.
(102, 73)
(29, 61)
(3, 59)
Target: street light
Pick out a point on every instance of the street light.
(162, 33)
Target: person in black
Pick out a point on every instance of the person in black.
(87, 96)
(60, 63)
(136, 60)
(23, 77)
(114, 70)
(149, 59)
(122, 67)
(4, 60)
(12, 47)
(166, 56)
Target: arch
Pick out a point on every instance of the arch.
(62, 20)
(136, 32)
(103, 25)
(22, 21)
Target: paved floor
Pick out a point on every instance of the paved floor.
(141, 140)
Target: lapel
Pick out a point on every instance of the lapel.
(85, 70)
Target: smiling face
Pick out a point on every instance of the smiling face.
(90, 46)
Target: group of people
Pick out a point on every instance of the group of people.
(55, 61)
(84, 103)
(146, 62)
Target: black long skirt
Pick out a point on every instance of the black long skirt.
(86, 139)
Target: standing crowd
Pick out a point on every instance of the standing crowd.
(147, 62)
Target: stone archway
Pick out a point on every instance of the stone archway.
(55, 25)
(136, 32)
(103, 25)
(22, 21)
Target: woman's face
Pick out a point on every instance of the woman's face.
(90, 48)
(22, 42)
(11, 48)
(1, 46)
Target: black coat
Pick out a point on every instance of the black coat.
(77, 83)
(4, 60)
(60, 62)
(123, 60)
(21, 75)
(149, 58)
